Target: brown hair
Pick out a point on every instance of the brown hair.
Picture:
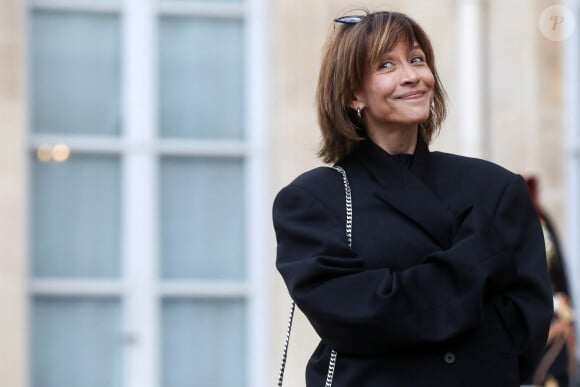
(349, 50)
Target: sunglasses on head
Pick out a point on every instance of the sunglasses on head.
(348, 19)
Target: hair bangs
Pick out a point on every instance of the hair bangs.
(387, 31)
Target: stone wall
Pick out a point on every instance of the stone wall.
(13, 301)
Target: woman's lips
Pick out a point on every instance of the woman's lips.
(412, 95)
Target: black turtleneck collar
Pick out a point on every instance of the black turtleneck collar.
(393, 167)
(404, 158)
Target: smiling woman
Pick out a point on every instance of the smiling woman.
(396, 95)
(374, 66)
(441, 278)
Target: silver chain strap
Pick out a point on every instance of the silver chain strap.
(333, 354)
(286, 341)
(348, 198)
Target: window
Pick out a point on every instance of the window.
(571, 74)
(147, 185)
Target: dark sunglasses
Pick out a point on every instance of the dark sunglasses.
(348, 19)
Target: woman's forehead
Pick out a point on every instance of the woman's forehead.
(409, 47)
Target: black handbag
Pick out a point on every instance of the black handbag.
(333, 354)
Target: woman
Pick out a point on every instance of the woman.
(445, 283)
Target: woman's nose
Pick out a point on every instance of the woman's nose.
(409, 74)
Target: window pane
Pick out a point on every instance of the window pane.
(76, 343)
(80, 2)
(203, 343)
(201, 77)
(75, 77)
(202, 203)
(75, 217)
(201, 1)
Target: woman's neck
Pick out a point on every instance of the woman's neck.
(395, 141)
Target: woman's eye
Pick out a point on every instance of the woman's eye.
(387, 65)
(417, 59)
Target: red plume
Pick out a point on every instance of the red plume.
(532, 183)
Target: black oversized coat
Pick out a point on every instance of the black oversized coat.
(445, 284)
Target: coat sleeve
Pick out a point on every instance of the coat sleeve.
(381, 311)
(526, 304)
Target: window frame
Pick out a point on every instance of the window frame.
(140, 288)
(571, 153)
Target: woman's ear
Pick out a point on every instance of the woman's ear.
(356, 103)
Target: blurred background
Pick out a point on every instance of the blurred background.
(143, 143)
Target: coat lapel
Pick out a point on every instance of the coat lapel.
(407, 191)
